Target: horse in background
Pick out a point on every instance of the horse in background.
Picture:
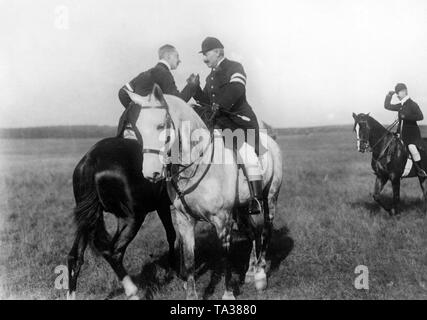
(203, 190)
(109, 179)
(389, 159)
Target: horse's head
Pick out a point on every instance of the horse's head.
(361, 128)
(156, 128)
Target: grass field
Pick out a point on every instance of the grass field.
(326, 225)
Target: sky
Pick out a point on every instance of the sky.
(308, 62)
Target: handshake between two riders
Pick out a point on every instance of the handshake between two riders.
(224, 95)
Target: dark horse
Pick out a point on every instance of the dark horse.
(109, 179)
(389, 157)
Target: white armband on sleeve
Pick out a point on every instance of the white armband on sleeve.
(128, 87)
(238, 77)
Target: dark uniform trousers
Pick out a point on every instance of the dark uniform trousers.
(409, 114)
(226, 86)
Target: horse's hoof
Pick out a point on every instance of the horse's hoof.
(249, 277)
(394, 213)
(130, 288)
(260, 280)
(192, 296)
(228, 295)
(134, 297)
(71, 296)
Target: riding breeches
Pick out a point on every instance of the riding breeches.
(246, 156)
(414, 152)
(250, 160)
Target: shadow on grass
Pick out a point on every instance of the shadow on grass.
(406, 204)
(208, 257)
(152, 277)
(157, 273)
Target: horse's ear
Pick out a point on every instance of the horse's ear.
(158, 94)
(136, 98)
(368, 114)
(354, 116)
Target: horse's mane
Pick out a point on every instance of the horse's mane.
(375, 124)
(181, 111)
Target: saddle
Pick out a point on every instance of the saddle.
(410, 168)
(129, 118)
(208, 117)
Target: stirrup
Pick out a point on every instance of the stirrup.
(255, 206)
(419, 170)
(421, 173)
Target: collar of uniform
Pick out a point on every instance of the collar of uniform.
(404, 100)
(165, 63)
(217, 65)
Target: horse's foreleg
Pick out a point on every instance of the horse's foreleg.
(166, 218)
(395, 210)
(247, 226)
(250, 273)
(379, 186)
(185, 225)
(75, 261)
(269, 213)
(223, 229)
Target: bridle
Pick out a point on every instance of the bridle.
(168, 126)
(358, 139)
(166, 173)
(366, 141)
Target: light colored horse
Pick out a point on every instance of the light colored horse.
(211, 192)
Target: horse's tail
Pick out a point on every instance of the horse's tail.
(88, 212)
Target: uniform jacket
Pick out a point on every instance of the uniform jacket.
(226, 86)
(144, 82)
(409, 114)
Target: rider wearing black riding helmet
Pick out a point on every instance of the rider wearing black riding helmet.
(409, 113)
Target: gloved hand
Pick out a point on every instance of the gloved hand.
(194, 80)
(390, 93)
(215, 107)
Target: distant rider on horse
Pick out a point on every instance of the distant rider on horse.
(225, 94)
(409, 113)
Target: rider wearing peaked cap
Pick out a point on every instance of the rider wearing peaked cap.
(225, 92)
(211, 43)
(409, 114)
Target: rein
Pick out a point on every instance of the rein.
(383, 151)
(168, 176)
(244, 118)
(382, 138)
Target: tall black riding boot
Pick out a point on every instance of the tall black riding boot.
(256, 203)
(420, 171)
